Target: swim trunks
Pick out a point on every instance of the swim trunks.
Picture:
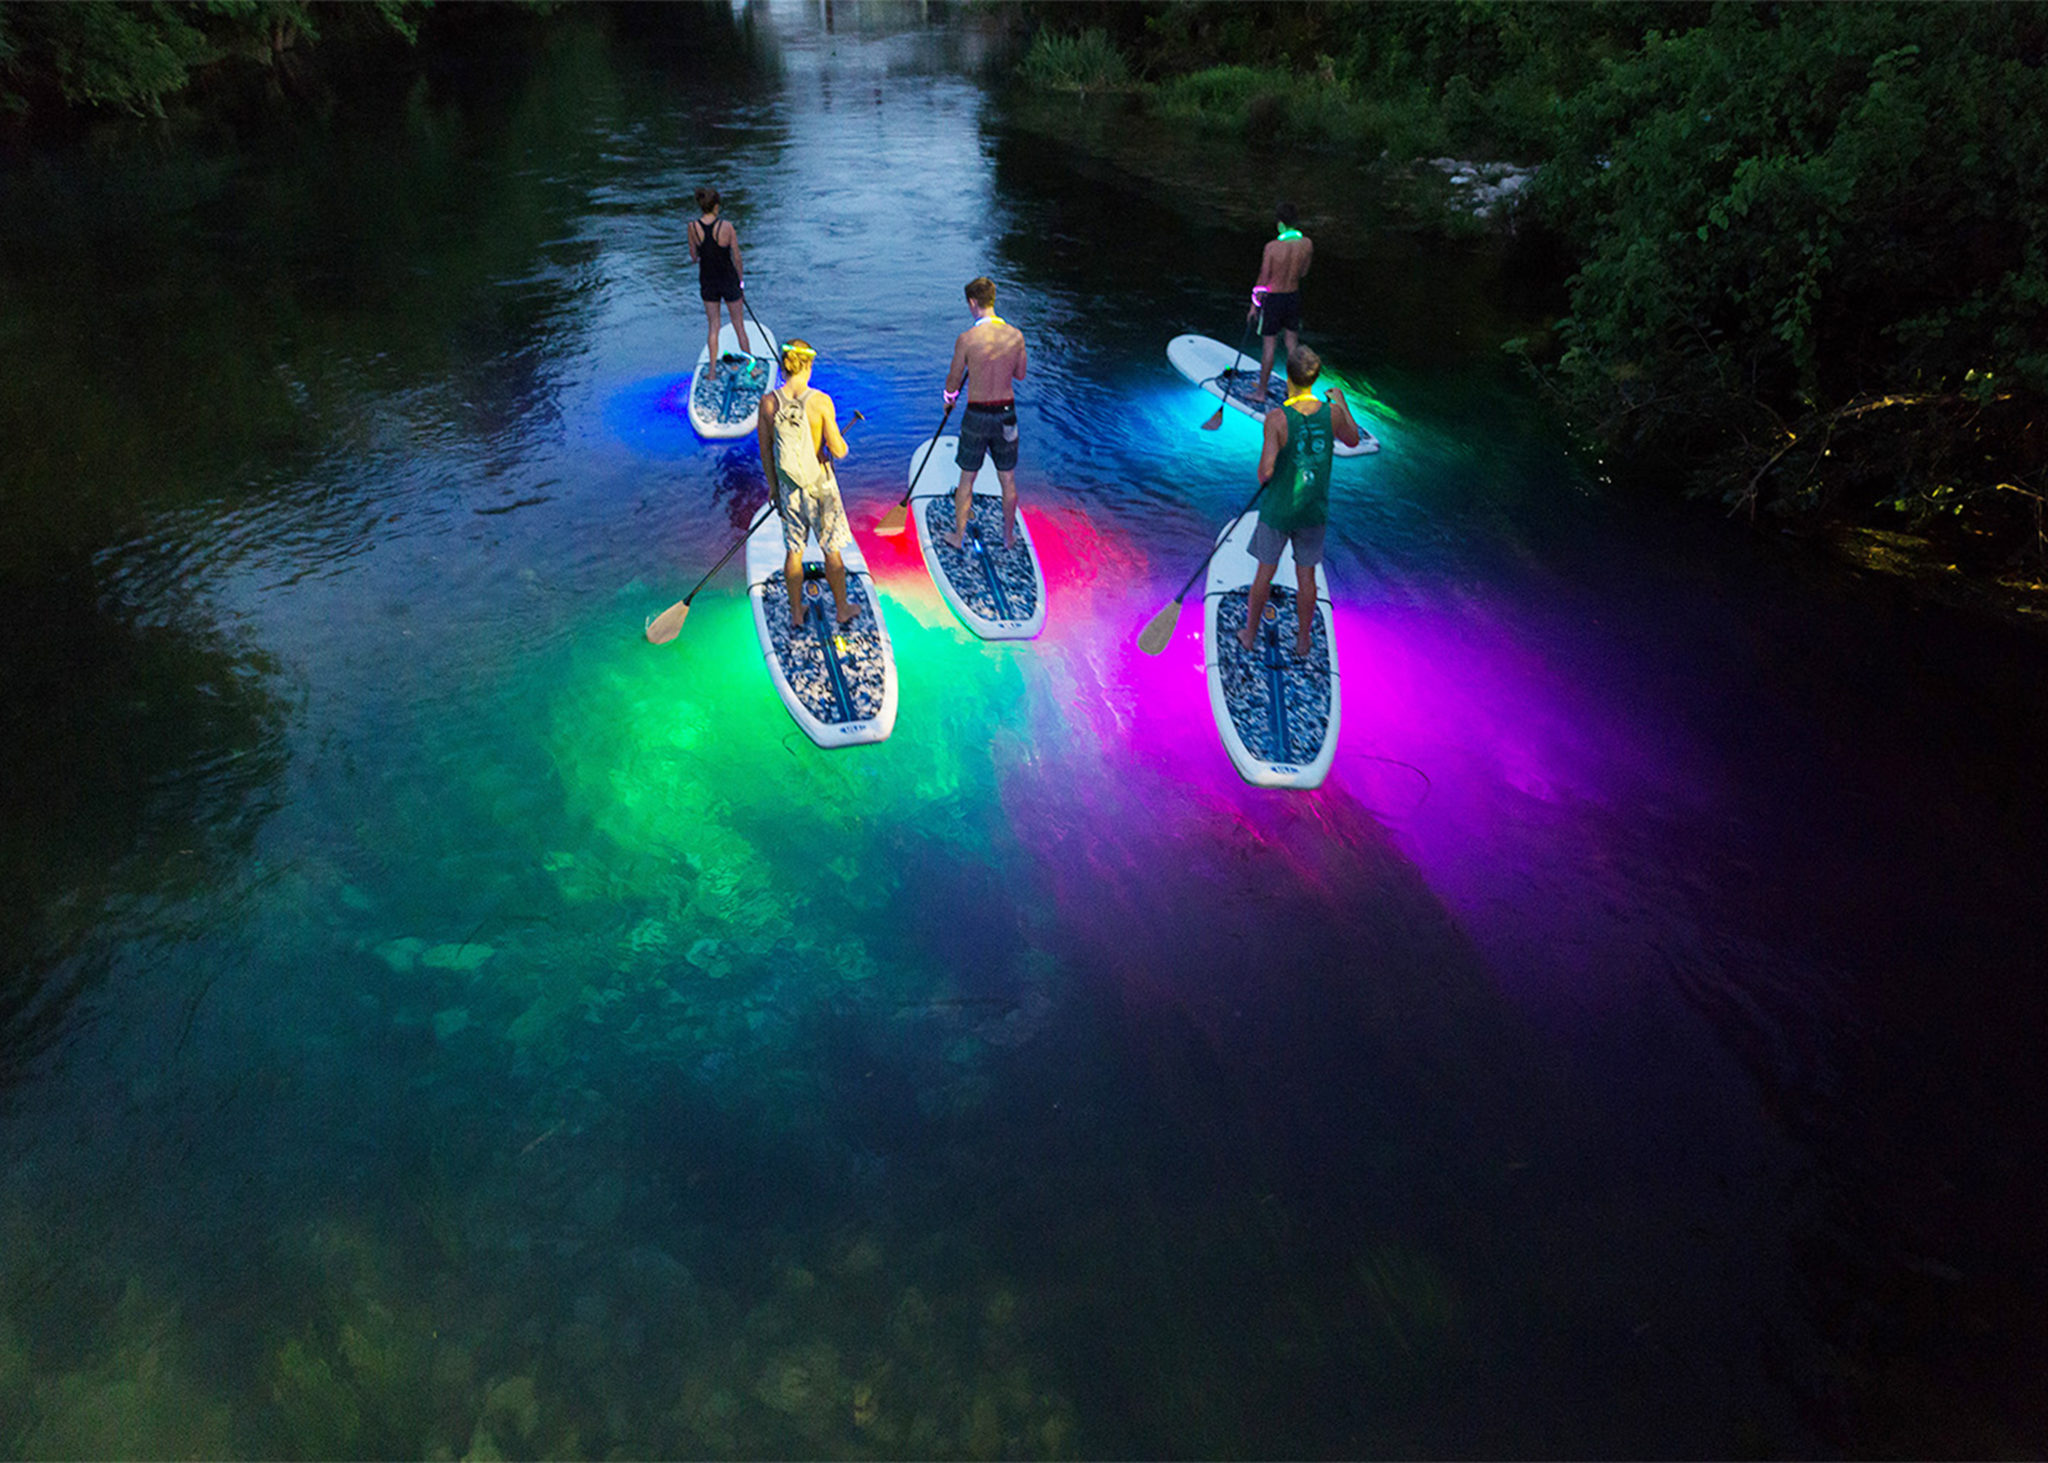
(1282, 312)
(1267, 542)
(990, 430)
(814, 511)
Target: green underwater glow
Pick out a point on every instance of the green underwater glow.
(742, 841)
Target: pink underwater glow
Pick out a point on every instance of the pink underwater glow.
(1472, 766)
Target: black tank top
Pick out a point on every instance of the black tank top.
(716, 278)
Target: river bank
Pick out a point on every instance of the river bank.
(1354, 206)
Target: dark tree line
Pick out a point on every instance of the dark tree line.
(136, 55)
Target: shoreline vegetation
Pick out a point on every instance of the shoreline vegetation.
(1804, 246)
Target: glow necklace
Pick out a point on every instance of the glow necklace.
(991, 319)
(1287, 233)
(1304, 396)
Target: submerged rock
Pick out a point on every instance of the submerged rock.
(401, 954)
(463, 957)
(512, 1404)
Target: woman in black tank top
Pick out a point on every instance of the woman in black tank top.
(715, 245)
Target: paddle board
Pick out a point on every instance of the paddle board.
(725, 404)
(840, 685)
(1277, 713)
(998, 593)
(1213, 366)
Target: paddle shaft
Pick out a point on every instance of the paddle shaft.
(739, 543)
(1248, 506)
(927, 457)
(1242, 341)
(753, 317)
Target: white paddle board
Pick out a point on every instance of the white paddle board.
(998, 593)
(1276, 712)
(725, 404)
(840, 685)
(1222, 372)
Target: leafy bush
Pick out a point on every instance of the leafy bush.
(1815, 250)
(1088, 61)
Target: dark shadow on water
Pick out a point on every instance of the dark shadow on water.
(141, 760)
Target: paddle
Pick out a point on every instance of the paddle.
(665, 626)
(1159, 629)
(893, 521)
(1215, 423)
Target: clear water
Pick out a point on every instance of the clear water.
(438, 1023)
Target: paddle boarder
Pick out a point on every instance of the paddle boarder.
(715, 245)
(799, 437)
(988, 359)
(1294, 473)
(1276, 298)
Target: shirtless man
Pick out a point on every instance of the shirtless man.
(988, 359)
(1277, 294)
(799, 435)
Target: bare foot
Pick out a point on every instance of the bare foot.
(1303, 644)
(1247, 638)
(796, 613)
(847, 617)
(957, 540)
(1008, 543)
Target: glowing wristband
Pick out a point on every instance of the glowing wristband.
(951, 397)
(1258, 294)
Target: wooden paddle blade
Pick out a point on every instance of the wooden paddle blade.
(1152, 639)
(893, 521)
(665, 626)
(1215, 423)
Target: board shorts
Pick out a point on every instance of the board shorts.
(818, 510)
(1267, 542)
(713, 294)
(1282, 312)
(990, 430)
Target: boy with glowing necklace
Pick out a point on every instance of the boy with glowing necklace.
(1276, 297)
(988, 359)
(1294, 466)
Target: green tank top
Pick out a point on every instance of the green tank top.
(1298, 493)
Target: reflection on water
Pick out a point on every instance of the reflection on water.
(440, 1024)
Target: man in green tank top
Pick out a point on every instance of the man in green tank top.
(1294, 467)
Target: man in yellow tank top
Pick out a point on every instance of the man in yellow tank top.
(799, 436)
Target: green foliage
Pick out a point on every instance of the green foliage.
(1815, 249)
(1485, 76)
(1320, 107)
(135, 55)
(1089, 61)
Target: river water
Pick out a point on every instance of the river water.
(439, 1023)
